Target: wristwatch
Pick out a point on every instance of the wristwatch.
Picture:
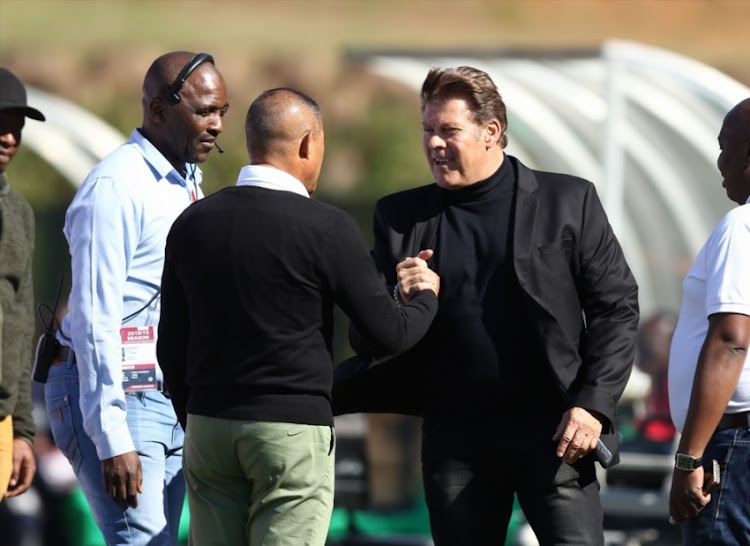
(688, 463)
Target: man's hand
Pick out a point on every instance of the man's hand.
(687, 498)
(578, 433)
(414, 275)
(24, 468)
(123, 478)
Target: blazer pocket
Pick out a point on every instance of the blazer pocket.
(563, 245)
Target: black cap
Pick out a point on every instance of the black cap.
(13, 95)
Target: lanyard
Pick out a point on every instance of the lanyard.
(191, 177)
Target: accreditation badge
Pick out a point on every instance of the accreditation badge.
(138, 358)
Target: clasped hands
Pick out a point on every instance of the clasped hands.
(413, 275)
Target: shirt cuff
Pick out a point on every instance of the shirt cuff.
(113, 442)
(397, 295)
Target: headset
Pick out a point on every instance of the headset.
(172, 93)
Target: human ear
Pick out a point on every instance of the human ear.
(156, 110)
(492, 132)
(304, 146)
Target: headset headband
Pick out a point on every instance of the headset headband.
(172, 93)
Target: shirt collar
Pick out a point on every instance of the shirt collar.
(264, 176)
(159, 163)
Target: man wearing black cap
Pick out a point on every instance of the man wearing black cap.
(17, 429)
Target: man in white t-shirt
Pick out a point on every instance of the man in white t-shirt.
(709, 372)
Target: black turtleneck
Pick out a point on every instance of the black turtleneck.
(484, 353)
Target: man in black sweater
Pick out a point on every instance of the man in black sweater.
(533, 343)
(251, 277)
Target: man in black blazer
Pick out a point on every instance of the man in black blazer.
(518, 378)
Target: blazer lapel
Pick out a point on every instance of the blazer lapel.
(527, 208)
(426, 229)
(524, 230)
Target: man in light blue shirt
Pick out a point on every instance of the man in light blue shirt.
(109, 411)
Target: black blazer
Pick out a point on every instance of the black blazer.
(577, 287)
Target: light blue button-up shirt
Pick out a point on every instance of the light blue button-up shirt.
(117, 228)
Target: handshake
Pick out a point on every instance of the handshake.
(413, 275)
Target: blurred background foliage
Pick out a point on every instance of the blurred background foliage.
(95, 53)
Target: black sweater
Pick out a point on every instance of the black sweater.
(250, 281)
(484, 359)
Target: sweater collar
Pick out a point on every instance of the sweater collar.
(501, 181)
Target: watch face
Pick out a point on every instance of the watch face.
(686, 462)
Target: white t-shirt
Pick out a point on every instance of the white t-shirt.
(718, 282)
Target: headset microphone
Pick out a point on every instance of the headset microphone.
(219, 148)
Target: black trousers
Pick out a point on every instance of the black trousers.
(473, 467)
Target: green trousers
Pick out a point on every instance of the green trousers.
(258, 483)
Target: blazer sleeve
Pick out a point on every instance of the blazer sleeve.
(608, 294)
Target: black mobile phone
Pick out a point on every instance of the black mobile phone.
(603, 454)
(712, 477)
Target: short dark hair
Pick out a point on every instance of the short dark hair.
(262, 127)
(472, 85)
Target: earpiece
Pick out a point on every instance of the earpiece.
(172, 93)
